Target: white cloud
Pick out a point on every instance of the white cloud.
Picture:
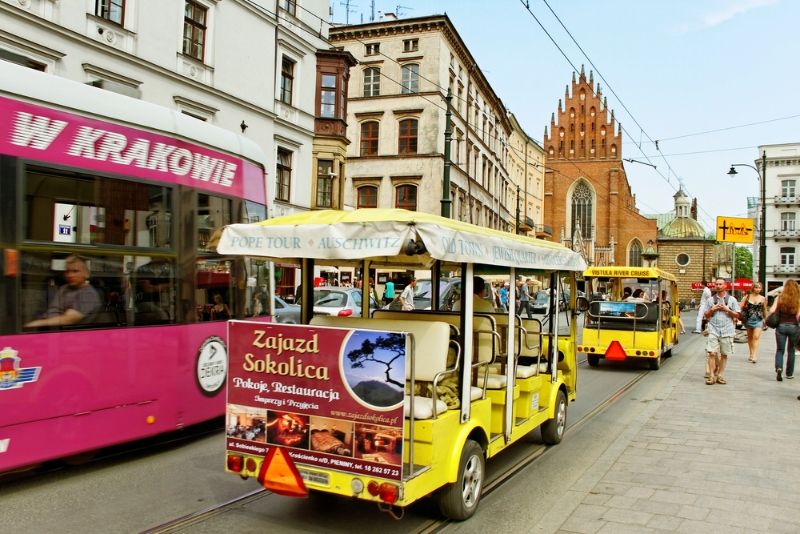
(732, 9)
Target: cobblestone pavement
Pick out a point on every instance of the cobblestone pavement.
(720, 458)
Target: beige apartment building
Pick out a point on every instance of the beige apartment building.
(396, 123)
(526, 169)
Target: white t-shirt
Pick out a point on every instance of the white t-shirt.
(408, 296)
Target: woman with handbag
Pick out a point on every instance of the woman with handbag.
(787, 310)
(754, 310)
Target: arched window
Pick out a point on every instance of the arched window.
(367, 196)
(407, 140)
(582, 210)
(372, 81)
(635, 254)
(406, 197)
(369, 138)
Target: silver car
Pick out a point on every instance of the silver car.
(286, 313)
(340, 301)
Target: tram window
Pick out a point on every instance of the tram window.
(253, 212)
(212, 214)
(153, 283)
(43, 275)
(66, 207)
(216, 294)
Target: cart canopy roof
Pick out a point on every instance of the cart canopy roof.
(391, 237)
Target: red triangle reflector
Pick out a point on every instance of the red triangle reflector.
(279, 474)
(615, 352)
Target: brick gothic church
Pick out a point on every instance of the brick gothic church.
(587, 198)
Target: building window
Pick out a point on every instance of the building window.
(287, 80)
(327, 96)
(682, 259)
(787, 255)
(406, 197)
(582, 211)
(372, 81)
(635, 254)
(284, 175)
(289, 5)
(373, 49)
(410, 45)
(111, 10)
(787, 221)
(787, 188)
(367, 196)
(369, 138)
(325, 178)
(194, 30)
(410, 79)
(407, 142)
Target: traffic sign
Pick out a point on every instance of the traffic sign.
(735, 229)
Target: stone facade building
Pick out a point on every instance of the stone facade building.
(526, 169)
(587, 197)
(396, 118)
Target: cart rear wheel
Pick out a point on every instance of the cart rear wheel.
(593, 359)
(553, 429)
(655, 363)
(460, 500)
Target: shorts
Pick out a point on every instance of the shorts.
(754, 322)
(720, 345)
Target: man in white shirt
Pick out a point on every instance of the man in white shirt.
(407, 296)
(703, 299)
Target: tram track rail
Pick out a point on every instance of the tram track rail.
(427, 527)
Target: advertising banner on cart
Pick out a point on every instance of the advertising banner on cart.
(333, 397)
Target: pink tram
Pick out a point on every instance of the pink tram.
(135, 192)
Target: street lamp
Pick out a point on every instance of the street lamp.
(762, 233)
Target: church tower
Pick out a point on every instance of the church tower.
(588, 199)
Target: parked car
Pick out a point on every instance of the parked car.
(286, 313)
(341, 301)
(540, 304)
(424, 288)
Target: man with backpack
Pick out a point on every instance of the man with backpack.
(721, 312)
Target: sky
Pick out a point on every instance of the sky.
(711, 80)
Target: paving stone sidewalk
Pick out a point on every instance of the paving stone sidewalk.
(720, 458)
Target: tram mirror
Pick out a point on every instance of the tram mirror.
(581, 304)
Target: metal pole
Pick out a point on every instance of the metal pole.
(517, 227)
(448, 137)
(762, 244)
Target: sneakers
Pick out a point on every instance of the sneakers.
(696, 332)
(778, 375)
(789, 377)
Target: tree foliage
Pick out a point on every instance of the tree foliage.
(384, 350)
(744, 263)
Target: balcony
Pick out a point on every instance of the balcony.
(544, 231)
(788, 269)
(792, 200)
(786, 234)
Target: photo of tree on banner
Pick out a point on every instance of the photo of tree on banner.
(374, 367)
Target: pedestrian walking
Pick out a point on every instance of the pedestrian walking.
(721, 312)
(787, 306)
(754, 311)
(524, 299)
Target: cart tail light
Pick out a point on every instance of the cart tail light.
(388, 493)
(235, 463)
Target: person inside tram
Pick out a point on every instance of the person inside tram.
(479, 302)
(76, 302)
(220, 311)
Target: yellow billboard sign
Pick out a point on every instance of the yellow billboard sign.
(735, 229)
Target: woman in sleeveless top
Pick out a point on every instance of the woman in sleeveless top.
(787, 305)
(754, 310)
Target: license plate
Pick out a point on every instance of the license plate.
(315, 477)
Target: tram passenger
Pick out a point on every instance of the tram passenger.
(76, 302)
(220, 311)
(479, 302)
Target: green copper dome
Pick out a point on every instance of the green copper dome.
(682, 227)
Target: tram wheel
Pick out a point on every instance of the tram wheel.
(553, 429)
(459, 500)
(593, 359)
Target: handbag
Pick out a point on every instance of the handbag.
(772, 320)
